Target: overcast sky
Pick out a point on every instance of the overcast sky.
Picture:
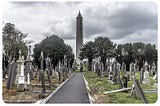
(122, 22)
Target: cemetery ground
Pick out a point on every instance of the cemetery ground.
(98, 85)
(32, 95)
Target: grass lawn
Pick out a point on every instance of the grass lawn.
(98, 85)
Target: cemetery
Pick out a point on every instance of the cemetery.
(30, 84)
(122, 91)
(100, 72)
(24, 83)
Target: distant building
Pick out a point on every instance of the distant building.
(79, 35)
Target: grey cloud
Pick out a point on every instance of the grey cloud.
(133, 18)
(119, 21)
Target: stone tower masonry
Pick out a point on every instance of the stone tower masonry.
(79, 35)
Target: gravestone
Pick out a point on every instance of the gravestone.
(141, 75)
(136, 66)
(64, 72)
(28, 80)
(153, 70)
(99, 66)
(65, 68)
(119, 67)
(48, 70)
(5, 65)
(59, 71)
(96, 66)
(11, 75)
(131, 70)
(99, 69)
(21, 77)
(42, 75)
(119, 82)
(28, 64)
(110, 73)
(155, 77)
(49, 65)
(102, 69)
(146, 79)
(19, 63)
(115, 70)
(127, 75)
(56, 75)
(123, 68)
(125, 81)
(136, 87)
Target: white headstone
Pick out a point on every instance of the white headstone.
(21, 76)
(28, 79)
(146, 79)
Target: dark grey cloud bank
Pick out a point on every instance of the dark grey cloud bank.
(121, 21)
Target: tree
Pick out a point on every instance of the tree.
(88, 51)
(105, 48)
(151, 53)
(138, 51)
(13, 41)
(119, 56)
(54, 47)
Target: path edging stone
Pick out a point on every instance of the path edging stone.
(91, 100)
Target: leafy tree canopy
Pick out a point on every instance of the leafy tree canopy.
(13, 41)
(54, 47)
